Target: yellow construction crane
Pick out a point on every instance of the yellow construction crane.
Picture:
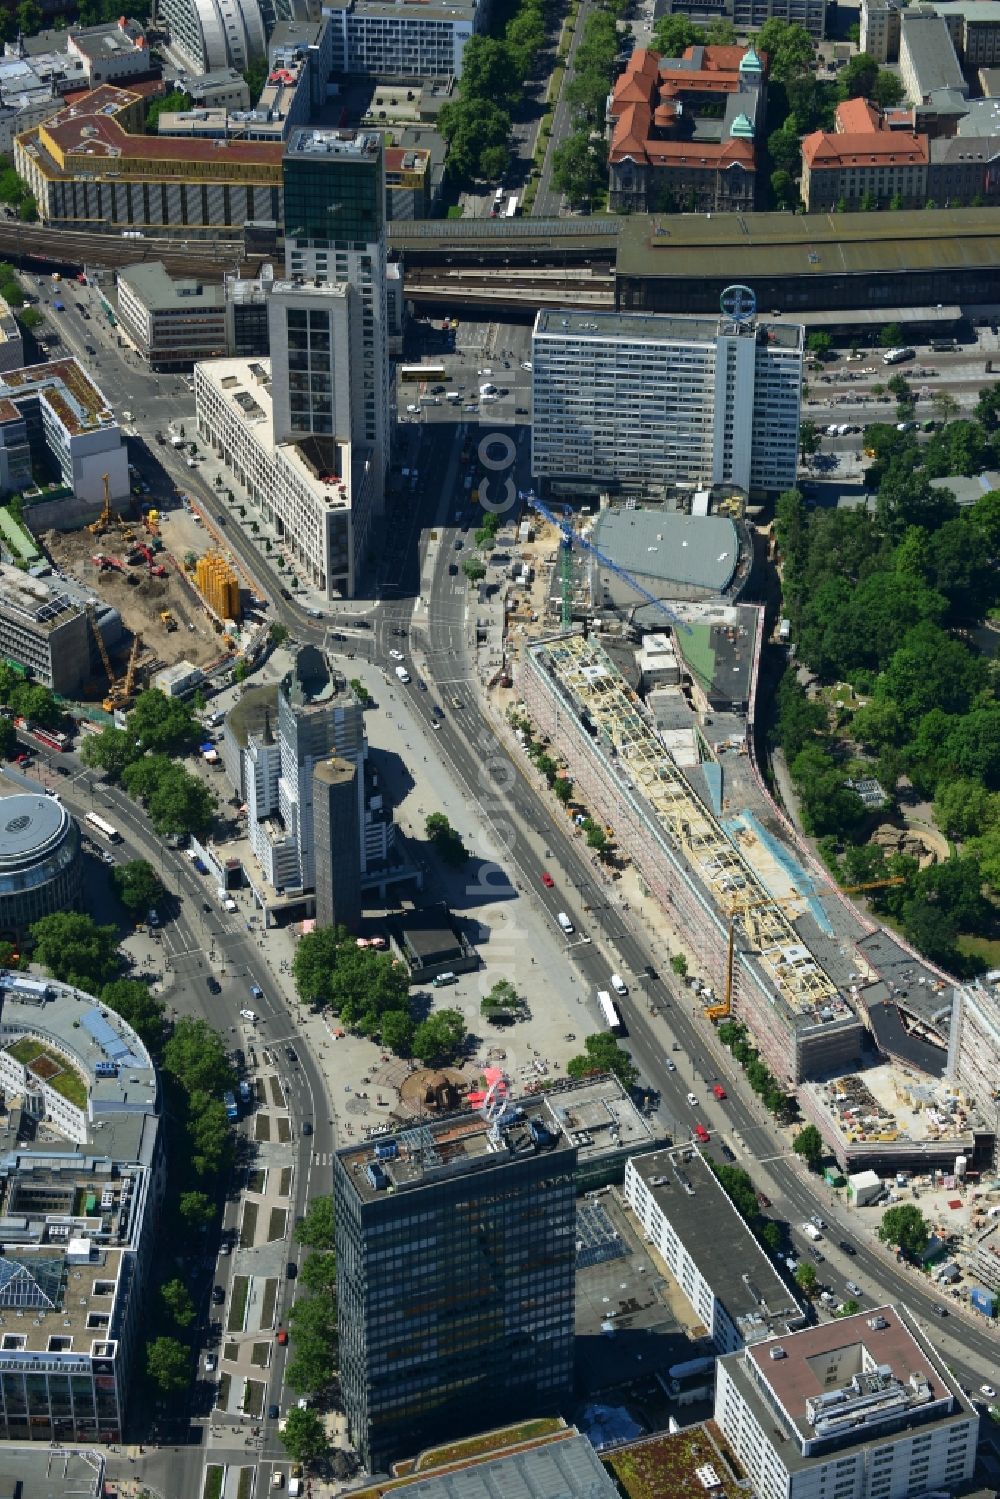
(130, 670)
(721, 1010)
(107, 515)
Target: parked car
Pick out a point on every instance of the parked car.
(218, 1295)
(728, 1153)
(854, 1288)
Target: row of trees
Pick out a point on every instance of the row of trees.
(14, 193)
(477, 123)
(579, 163)
(369, 991)
(734, 1036)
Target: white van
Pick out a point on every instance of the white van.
(619, 985)
(565, 923)
(811, 1231)
(403, 674)
(453, 396)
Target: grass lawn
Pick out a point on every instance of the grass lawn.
(261, 1355)
(231, 1352)
(490, 1441)
(987, 948)
(256, 1181)
(667, 1465)
(277, 1094)
(260, 1091)
(246, 1483)
(267, 1303)
(214, 1475)
(248, 1227)
(277, 1225)
(253, 1397)
(64, 1079)
(238, 1303)
(222, 1394)
(262, 1127)
(284, 1129)
(285, 1182)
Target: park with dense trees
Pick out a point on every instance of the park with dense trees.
(887, 607)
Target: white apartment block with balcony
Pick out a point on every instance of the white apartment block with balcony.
(640, 401)
(859, 1408)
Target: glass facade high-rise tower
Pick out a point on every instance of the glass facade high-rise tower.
(456, 1253)
(334, 197)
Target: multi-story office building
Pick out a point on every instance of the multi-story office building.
(316, 339)
(578, 697)
(733, 1288)
(41, 869)
(56, 409)
(880, 29)
(317, 494)
(173, 323)
(749, 15)
(217, 33)
(45, 630)
(629, 401)
(455, 1278)
(975, 30)
(11, 341)
(284, 749)
(408, 40)
(81, 1170)
(927, 61)
(335, 232)
(91, 165)
(974, 1048)
(863, 162)
(860, 1408)
(338, 847)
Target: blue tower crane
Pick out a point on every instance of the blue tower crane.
(569, 539)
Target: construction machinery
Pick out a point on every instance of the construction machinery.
(743, 912)
(569, 540)
(104, 562)
(107, 515)
(120, 692)
(168, 621)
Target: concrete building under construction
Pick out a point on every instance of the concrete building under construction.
(799, 1018)
(218, 585)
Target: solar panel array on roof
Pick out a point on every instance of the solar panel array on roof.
(108, 1040)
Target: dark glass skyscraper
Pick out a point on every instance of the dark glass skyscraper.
(455, 1279)
(334, 205)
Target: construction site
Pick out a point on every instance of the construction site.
(173, 607)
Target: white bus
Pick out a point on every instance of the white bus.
(512, 207)
(411, 374)
(610, 1013)
(104, 829)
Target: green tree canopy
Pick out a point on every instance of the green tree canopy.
(138, 885)
(111, 751)
(808, 1143)
(304, 1436)
(176, 1299)
(579, 166)
(164, 725)
(439, 1039)
(672, 35)
(396, 1030)
(316, 1231)
(319, 1273)
(906, 1228)
(196, 1209)
(168, 1364)
(138, 1008)
(601, 1053)
(805, 1279)
(75, 950)
(195, 1056)
(789, 49)
(445, 840)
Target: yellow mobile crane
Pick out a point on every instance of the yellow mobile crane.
(721, 1010)
(120, 693)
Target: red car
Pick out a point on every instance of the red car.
(547, 880)
(701, 1134)
(719, 1090)
(282, 1337)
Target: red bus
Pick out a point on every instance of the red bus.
(52, 737)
